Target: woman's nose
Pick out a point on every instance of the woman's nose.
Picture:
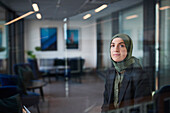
(116, 48)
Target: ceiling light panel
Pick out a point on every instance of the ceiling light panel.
(86, 16)
(164, 7)
(38, 15)
(16, 19)
(131, 17)
(35, 7)
(100, 8)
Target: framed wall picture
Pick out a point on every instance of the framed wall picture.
(72, 39)
(48, 39)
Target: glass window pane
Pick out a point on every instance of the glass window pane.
(3, 42)
(164, 76)
(131, 23)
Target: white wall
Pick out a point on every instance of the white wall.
(87, 40)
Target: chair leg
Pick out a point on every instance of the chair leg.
(42, 93)
(43, 79)
(49, 79)
(38, 110)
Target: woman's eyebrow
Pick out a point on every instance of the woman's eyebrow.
(118, 43)
(121, 43)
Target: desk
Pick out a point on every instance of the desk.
(36, 84)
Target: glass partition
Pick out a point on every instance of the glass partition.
(74, 51)
(131, 23)
(164, 10)
(3, 42)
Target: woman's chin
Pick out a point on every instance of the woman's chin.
(116, 60)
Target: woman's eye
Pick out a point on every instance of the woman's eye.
(122, 45)
(112, 45)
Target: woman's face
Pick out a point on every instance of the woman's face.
(118, 50)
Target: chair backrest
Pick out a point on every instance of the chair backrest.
(24, 70)
(46, 62)
(17, 66)
(10, 101)
(34, 65)
(76, 65)
(59, 62)
(13, 80)
(7, 91)
(162, 100)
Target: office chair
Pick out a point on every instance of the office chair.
(31, 81)
(38, 74)
(27, 98)
(162, 100)
(10, 101)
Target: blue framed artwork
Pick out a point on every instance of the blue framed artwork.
(72, 39)
(48, 39)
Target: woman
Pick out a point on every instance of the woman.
(126, 84)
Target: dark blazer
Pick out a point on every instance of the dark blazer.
(135, 88)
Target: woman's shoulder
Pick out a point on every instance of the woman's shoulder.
(138, 73)
(136, 67)
(109, 74)
(110, 70)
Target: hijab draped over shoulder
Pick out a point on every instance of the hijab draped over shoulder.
(122, 65)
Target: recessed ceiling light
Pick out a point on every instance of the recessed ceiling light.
(65, 19)
(131, 17)
(100, 8)
(164, 7)
(38, 15)
(86, 16)
(35, 7)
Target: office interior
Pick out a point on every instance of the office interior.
(147, 22)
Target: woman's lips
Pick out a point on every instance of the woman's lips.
(116, 54)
